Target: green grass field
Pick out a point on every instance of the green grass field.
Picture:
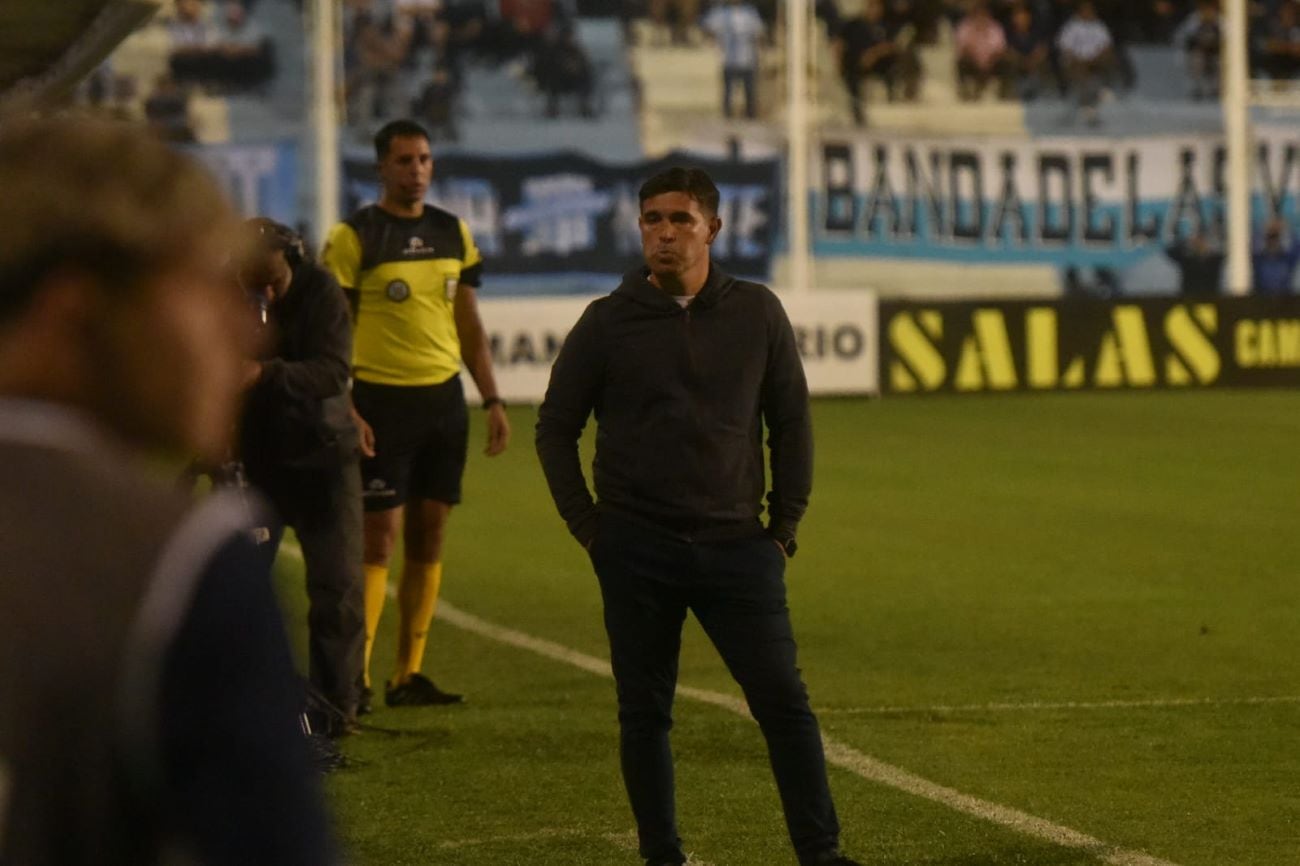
(1081, 607)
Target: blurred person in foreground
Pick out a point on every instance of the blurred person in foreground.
(300, 448)
(411, 272)
(683, 366)
(148, 704)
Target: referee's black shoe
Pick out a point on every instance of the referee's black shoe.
(419, 691)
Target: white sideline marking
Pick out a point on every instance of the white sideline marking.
(626, 841)
(545, 833)
(838, 754)
(1152, 703)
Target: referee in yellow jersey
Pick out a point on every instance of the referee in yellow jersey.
(411, 271)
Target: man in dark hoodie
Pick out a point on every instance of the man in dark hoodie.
(683, 366)
(302, 450)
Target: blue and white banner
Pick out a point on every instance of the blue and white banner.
(567, 223)
(1108, 202)
(261, 179)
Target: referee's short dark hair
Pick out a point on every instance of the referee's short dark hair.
(695, 182)
(397, 129)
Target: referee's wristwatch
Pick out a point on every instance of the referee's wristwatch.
(489, 402)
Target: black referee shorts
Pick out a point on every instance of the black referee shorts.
(421, 442)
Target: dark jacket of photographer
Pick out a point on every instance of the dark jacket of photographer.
(297, 415)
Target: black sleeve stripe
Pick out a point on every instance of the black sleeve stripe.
(472, 276)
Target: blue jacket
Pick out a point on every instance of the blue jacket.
(1274, 270)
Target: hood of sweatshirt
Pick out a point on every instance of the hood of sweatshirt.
(636, 287)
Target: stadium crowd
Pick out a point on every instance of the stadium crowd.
(1020, 49)
(410, 55)
(213, 47)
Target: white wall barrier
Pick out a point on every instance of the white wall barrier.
(836, 331)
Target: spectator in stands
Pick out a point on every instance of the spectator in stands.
(373, 55)
(436, 106)
(1118, 17)
(676, 17)
(925, 17)
(192, 37)
(167, 111)
(189, 28)
(828, 13)
(981, 54)
(1202, 37)
(866, 47)
(1087, 58)
(738, 29)
(1200, 263)
(248, 59)
(629, 11)
(1277, 45)
(417, 20)
(235, 55)
(1051, 17)
(461, 27)
(1158, 20)
(1027, 52)
(901, 17)
(768, 12)
(562, 68)
(1274, 260)
(518, 34)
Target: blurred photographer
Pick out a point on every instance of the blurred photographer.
(299, 446)
(148, 700)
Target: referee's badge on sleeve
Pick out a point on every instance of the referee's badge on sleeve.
(451, 284)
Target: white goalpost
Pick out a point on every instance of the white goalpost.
(322, 60)
(1240, 96)
(1236, 128)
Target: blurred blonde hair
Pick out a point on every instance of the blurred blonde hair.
(100, 197)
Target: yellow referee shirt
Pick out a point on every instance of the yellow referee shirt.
(405, 273)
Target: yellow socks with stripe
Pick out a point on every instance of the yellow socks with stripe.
(417, 599)
(376, 594)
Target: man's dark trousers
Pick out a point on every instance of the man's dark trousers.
(736, 588)
(324, 508)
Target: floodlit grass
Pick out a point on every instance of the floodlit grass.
(968, 566)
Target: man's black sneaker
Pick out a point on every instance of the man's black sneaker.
(324, 755)
(364, 705)
(419, 691)
(672, 858)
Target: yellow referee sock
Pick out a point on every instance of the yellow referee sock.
(376, 594)
(417, 599)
